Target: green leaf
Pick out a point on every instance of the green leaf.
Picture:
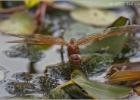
(113, 44)
(79, 87)
(20, 23)
(95, 64)
(99, 90)
(99, 3)
(75, 91)
(59, 93)
(121, 21)
(96, 17)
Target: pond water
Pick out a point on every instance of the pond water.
(11, 65)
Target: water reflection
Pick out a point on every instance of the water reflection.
(26, 51)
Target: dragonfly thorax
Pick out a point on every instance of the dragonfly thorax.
(73, 48)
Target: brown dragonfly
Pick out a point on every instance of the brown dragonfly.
(73, 45)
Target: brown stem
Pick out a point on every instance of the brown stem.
(40, 15)
(62, 48)
(62, 54)
(13, 9)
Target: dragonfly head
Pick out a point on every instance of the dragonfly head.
(72, 41)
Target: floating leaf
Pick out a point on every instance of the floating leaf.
(99, 3)
(99, 90)
(20, 23)
(113, 44)
(62, 5)
(94, 16)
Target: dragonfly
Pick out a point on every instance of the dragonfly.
(73, 45)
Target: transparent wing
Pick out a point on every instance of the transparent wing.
(41, 40)
(109, 32)
(16, 35)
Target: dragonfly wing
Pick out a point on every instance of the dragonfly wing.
(90, 38)
(41, 40)
(109, 32)
(31, 41)
(16, 35)
(50, 40)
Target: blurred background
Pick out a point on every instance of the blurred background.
(60, 18)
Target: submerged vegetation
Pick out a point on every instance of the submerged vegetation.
(96, 43)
